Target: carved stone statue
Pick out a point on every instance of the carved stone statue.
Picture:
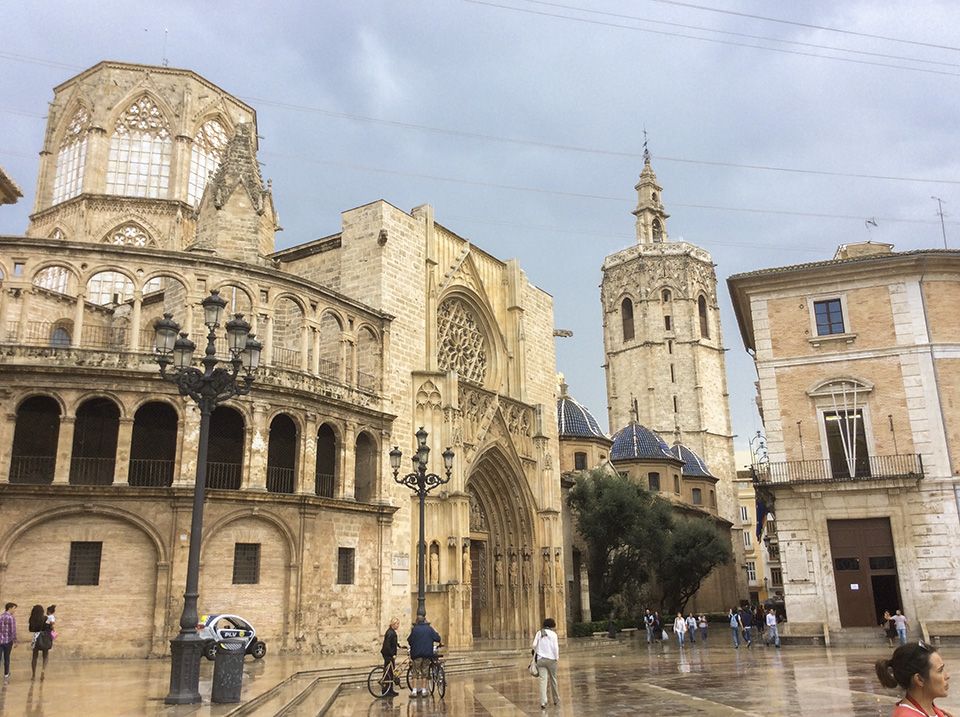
(498, 572)
(514, 571)
(467, 568)
(545, 582)
(558, 570)
(434, 568)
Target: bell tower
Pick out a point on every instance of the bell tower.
(651, 217)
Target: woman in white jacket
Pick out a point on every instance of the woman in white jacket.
(680, 627)
(546, 648)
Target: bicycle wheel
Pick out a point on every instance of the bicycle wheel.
(378, 686)
(410, 675)
(438, 680)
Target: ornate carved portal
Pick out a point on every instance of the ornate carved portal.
(504, 602)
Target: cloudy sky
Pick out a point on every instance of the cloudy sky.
(522, 123)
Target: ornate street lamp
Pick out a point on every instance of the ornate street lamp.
(421, 483)
(209, 387)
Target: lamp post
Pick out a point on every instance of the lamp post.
(421, 483)
(208, 386)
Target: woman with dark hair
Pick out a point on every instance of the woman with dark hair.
(546, 651)
(42, 641)
(920, 671)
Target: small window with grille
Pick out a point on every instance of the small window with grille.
(246, 563)
(84, 567)
(580, 461)
(345, 565)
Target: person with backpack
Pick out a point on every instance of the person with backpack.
(734, 619)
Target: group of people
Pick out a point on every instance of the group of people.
(742, 621)
(420, 641)
(685, 628)
(895, 626)
(42, 627)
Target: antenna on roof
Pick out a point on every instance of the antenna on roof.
(164, 62)
(943, 229)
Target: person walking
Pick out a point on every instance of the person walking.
(920, 671)
(734, 619)
(648, 624)
(901, 622)
(42, 641)
(421, 640)
(773, 634)
(692, 628)
(889, 627)
(658, 631)
(703, 627)
(546, 651)
(746, 624)
(8, 637)
(680, 628)
(388, 651)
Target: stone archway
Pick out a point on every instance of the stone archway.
(503, 547)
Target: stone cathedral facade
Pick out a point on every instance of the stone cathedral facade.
(149, 196)
(666, 374)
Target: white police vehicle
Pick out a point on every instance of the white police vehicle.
(214, 628)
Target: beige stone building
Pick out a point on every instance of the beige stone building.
(666, 374)
(149, 196)
(858, 360)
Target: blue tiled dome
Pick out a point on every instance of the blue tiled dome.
(574, 420)
(693, 465)
(636, 441)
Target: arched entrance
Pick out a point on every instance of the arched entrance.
(503, 549)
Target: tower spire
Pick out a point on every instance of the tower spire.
(646, 150)
(651, 218)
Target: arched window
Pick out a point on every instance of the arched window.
(205, 156)
(34, 455)
(462, 342)
(657, 231)
(368, 360)
(365, 469)
(95, 433)
(326, 475)
(60, 337)
(109, 287)
(153, 445)
(225, 451)
(282, 455)
(666, 296)
(139, 162)
(71, 158)
(702, 309)
(53, 278)
(626, 315)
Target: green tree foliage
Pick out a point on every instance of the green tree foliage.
(636, 547)
(695, 548)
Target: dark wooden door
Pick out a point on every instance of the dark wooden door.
(478, 575)
(854, 548)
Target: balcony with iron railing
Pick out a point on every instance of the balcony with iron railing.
(902, 466)
(280, 480)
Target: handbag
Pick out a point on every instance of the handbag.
(44, 641)
(533, 668)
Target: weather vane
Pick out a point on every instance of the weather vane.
(646, 152)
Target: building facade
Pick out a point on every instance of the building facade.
(149, 196)
(859, 366)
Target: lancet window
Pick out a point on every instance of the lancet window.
(71, 158)
(139, 162)
(208, 145)
(463, 345)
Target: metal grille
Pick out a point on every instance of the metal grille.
(84, 568)
(246, 563)
(345, 565)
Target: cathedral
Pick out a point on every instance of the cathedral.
(667, 396)
(149, 197)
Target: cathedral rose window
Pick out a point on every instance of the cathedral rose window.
(463, 346)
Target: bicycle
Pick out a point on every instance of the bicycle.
(436, 674)
(381, 680)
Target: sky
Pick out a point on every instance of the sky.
(776, 129)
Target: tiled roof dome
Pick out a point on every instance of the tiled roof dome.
(636, 441)
(574, 420)
(693, 465)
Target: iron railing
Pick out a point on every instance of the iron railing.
(288, 358)
(367, 381)
(224, 475)
(150, 473)
(324, 485)
(91, 471)
(32, 470)
(823, 470)
(280, 480)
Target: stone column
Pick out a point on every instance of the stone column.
(304, 346)
(24, 318)
(121, 473)
(255, 452)
(268, 340)
(3, 310)
(315, 359)
(347, 489)
(77, 338)
(189, 442)
(344, 354)
(135, 320)
(307, 460)
(7, 430)
(61, 475)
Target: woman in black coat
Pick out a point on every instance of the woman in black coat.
(389, 653)
(42, 640)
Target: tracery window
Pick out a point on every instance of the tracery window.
(129, 234)
(109, 287)
(71, 158)
(463, 346)
(139, 162)
(208, 145)
(53, 278)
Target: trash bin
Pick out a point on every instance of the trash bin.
(228, 670)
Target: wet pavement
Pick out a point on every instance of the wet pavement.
(626, 678)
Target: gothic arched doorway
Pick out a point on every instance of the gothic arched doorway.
(503, 549)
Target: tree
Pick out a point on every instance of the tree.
(624, 527)
(694, 548)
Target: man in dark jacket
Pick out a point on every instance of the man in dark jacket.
(746, 623)
(389, 653)
(421, 640)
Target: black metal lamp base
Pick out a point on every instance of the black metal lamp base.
(185, 654)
